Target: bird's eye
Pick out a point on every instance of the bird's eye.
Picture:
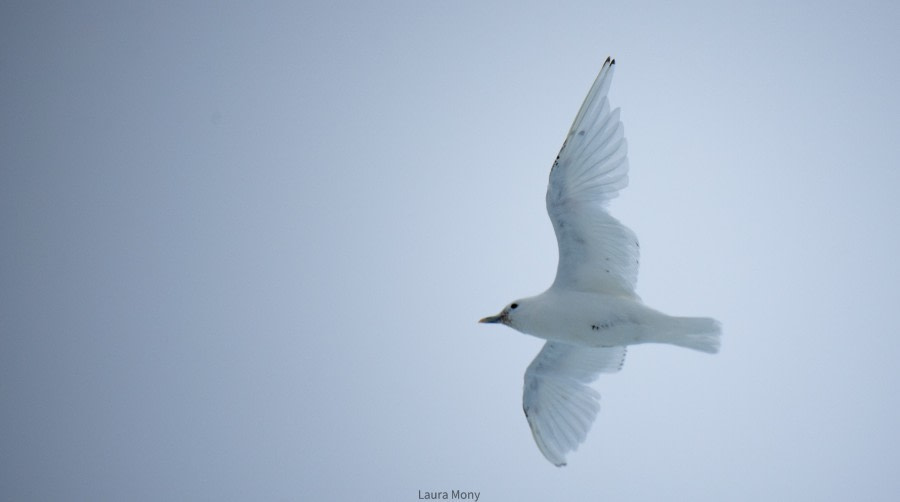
(514, 305)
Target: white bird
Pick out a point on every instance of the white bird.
(590, 313)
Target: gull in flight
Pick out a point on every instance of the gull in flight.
(591, 312)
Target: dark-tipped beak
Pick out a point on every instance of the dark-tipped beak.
(492, 319)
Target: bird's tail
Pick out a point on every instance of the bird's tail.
(698, 333)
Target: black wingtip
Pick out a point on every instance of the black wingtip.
(608, 58)
(612, 62)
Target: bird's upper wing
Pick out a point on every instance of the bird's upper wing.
(559, 404)
(596, 252)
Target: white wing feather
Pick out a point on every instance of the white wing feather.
(596, 252)
(559, 404)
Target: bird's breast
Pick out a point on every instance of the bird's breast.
(586, 319)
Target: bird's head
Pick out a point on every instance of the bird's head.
(509, 313)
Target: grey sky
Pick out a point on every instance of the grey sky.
(245, 248)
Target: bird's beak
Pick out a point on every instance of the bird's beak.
(492, 319)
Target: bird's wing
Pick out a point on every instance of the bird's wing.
(596, 252)
(559, 404)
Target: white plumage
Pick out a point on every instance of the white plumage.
(591, 311)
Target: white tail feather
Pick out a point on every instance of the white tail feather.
(698, 333)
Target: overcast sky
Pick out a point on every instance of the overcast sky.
(245, 246)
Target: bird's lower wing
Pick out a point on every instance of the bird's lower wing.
(558, 402)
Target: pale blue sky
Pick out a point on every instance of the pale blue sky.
(245, 247)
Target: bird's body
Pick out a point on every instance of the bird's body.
(590, 319)
(590, 313)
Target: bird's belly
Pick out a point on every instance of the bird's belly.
(607, 322)
(599, 334)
